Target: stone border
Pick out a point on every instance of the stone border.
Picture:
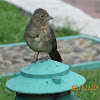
(60, 38)
(6, 75)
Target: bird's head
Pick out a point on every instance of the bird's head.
(41, 16)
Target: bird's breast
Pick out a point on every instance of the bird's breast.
(40, 43)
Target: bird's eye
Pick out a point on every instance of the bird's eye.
(41, 16)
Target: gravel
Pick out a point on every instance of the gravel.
(73, 51)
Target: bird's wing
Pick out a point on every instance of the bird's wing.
(54, 54)
(53, 39)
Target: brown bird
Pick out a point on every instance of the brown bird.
(39, 36)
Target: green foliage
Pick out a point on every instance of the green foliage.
(12, 24)
(92, 78)
(66, 30)
(5, 94)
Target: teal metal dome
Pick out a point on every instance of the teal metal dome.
(46, 77)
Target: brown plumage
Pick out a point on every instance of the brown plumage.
(39, 36)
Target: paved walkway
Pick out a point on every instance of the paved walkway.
(91, 7)
(60, 11)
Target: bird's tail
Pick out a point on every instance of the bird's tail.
(54, 54)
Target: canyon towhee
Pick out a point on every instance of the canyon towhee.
(39, 36)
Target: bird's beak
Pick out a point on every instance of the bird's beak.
(49, 18)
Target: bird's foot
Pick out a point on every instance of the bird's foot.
(36, 58)
(46, 58)
(41, 59)
(34, 61)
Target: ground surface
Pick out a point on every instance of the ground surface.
(72, 51)
(91, 7)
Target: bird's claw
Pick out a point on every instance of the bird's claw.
(42, 59)
(46, 58)
(34, 61)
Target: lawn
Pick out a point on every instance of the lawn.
(92, 78)
(13, 23)
(5, 94)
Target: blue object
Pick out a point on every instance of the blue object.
(48, 77)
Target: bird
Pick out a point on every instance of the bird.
(39, 35)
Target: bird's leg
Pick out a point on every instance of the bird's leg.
(46, 58)
(36, 58)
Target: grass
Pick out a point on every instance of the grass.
(13, 23)
(66, 30)
(5, 94)
(92, 78)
